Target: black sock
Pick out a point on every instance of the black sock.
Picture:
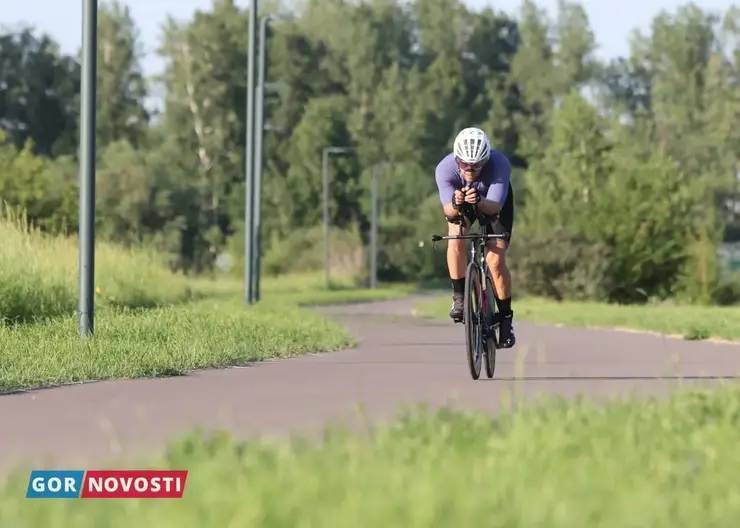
(458, 286)
(504, 305)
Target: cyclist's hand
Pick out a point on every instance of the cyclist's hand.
(458, 199)
(472, 196)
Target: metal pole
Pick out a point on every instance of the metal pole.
(86, 286)
(374, 231)
(325, 170)
(249, 158)
(259, 129)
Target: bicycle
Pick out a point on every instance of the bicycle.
(479, 308)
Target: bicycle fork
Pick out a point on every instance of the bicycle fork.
(486, 328)
(489, 320)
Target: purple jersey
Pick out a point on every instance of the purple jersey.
(492, 183)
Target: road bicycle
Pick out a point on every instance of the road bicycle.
(480, 314)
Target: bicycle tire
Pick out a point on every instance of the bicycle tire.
(471, 318)
(490, 341)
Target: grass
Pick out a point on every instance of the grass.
(173, 340)
(628, 464)
(38, 275)
(161, 342)
(690, 322)
(38, 278)
(308, 289)
(149, 321)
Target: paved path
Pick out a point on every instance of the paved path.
(400, 361)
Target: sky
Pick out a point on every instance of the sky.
(611, 20)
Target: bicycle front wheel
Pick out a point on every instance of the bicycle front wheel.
(490, 338)
(472, 317)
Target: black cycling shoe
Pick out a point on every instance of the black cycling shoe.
(507, 339)
(456, 312)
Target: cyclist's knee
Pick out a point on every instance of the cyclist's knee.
(457, 246)
(496, 259)
(454, 225)
(497, 247)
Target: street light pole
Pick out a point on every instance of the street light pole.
(374, 230)
(325, 170)
(86, 285)
(262, 88)
(259, 133)
(249, 158)
(325, 178)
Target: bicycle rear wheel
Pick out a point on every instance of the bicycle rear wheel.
(472, 319)
(489, 341)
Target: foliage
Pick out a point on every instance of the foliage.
(626, 171)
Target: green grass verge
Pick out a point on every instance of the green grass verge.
(149, 321)
(177, 338)
(690, 322)
(38, 275)
(628, 464)
(38, 278)
(171, 340)
(161, 342)
(308, 289)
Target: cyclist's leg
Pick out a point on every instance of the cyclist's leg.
(500, 274)
(457, 262)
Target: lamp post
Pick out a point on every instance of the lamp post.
(261, 90)
(249, 158)
(86, 284)
(325, 169)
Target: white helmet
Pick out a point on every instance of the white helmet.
(472, 146)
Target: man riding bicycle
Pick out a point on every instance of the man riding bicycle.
(475, 181)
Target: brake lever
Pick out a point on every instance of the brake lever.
(435, 239)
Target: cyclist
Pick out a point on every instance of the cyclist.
(475, 180)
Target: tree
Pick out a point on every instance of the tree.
(635, 188)
(533, 72)
(39, 93)
(121, 114)
(205, 90)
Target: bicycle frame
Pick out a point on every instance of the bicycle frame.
(477, 249)
(479, 311)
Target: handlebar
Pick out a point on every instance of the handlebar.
(474, 236)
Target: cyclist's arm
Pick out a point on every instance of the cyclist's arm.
(499, 189)
(446, 189)
(449, 210)
(489, 207)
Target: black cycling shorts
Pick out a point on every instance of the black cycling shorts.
(500, 224)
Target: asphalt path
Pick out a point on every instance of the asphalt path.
(401, 361)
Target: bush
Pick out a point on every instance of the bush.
(32, 183)
(405, 247)
(303, 251)
(560, 266)
(727, 292)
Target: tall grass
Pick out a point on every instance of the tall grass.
(38, 274)
(630, 464)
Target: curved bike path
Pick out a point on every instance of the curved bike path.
(400, 361)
